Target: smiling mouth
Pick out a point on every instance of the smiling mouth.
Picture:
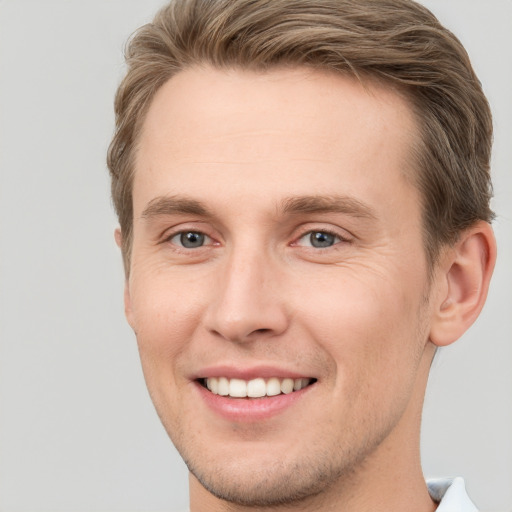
(255, 388)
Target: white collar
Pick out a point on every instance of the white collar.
(451, 495)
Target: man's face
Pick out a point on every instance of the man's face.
(276, 238)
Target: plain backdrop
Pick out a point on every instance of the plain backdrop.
(77, 430)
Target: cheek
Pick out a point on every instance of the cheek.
(165, 315)
(363, 304)
(162, 296)
(367, 324)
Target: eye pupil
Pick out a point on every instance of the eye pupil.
(191, 239)
(321, 239)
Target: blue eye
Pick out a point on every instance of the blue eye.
(319, 239)
(190, 239)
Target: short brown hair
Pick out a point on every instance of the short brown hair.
(398, 42)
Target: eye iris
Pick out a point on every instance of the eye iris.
(321, 239)
(191, 239)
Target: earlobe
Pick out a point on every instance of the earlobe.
(463, 284)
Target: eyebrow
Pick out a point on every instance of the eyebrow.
(328, 204)
(182, 205)
(174, 205)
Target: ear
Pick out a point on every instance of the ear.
(118, 238)
(127, 299)
(462, 279)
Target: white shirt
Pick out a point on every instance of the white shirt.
(450, 494)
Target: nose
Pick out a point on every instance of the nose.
(248, 302)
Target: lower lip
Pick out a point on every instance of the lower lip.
(250, 409)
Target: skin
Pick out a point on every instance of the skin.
(359, 316)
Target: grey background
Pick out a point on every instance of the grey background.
(77, 431)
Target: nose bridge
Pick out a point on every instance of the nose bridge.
(247, 302)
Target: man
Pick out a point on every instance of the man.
(303, 192)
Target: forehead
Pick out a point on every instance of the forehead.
(288, 129)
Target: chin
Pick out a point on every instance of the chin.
(277, 483)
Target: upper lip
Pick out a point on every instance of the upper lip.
(248, 373)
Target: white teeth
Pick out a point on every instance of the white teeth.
(273, 387)
(287, 386)
(237, 388)
(298, 384)
(255, 388)
(213, 385)
(223, 388)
